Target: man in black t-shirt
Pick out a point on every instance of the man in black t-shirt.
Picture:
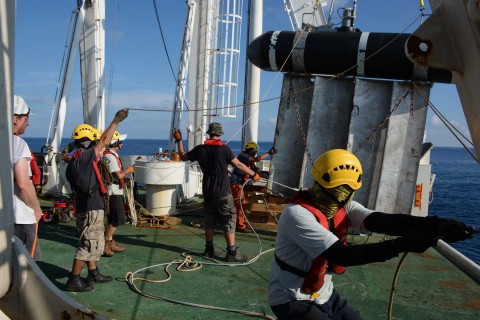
(85, 180)
(213, 157)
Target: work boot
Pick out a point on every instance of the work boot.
(209, 253)
(76, 284)
(235, 256)
(115, 247)
(107, 250)
(95, 277)
(244, 230)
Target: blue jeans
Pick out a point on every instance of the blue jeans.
(336, 308)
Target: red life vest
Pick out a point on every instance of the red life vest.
(338, 225)
(101, 185)
(36, 173)
(213, 142)
(121, 182)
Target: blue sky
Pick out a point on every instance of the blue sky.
(141, 73)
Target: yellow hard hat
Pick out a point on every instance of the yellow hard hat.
(98, 134)
(85, 131)
(251, 145)
(337, 167)
(117, 137)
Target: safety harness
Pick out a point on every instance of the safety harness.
(98, 176)
(338, 225)
(120, 182)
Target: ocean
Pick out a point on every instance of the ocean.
(455, 194)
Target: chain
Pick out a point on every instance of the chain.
(302, 132)
(395, 107)
(269, 210)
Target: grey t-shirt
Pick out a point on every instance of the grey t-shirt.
(300, 239)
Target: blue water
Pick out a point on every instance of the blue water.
(456, 190)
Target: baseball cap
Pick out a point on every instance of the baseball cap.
(20, 107)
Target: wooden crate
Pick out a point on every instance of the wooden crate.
(262, 205)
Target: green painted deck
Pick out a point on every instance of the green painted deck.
(429, 287)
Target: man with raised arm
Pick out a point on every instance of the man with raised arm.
(84, 178)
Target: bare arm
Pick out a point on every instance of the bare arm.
(239, 165)
(25, 186)
(181, 151)
(122, 174)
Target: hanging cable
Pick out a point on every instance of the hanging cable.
(163, 40)
(447, 124)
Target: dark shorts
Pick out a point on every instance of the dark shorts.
(116, 211)
(27, 233)
(222, 209)
(335, 308)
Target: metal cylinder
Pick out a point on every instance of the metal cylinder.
(363, 54)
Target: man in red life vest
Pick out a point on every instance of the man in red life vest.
(116, 208)
(311, 240)
(213, 156)
(237, 179)
(26, 208)
(85, 180)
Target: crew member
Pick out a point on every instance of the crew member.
(237, 179)
(213, 156)
(312, 233)
(26, 208)
(85, 180)
(116, 206)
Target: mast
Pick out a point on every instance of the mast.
(60, 106)
(92, 64)
(183, 69)
(252, 76)
(7, 32)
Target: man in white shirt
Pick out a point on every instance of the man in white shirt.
(26, 208)
(116, 210)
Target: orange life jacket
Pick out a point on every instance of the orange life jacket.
(338, 225)
(121, 181)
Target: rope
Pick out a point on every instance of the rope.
(130, 199)
(187, 264)
(447, 124)
(394, 285)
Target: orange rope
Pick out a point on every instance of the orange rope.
(34, 241)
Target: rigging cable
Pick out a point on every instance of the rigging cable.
(448, 124)
(163, 40)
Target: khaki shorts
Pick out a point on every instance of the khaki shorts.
(92, 240)
(222, 209)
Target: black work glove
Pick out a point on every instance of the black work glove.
(120, 116)
(414, 242)
(451, 230)
(177, 135)
(272, 150)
